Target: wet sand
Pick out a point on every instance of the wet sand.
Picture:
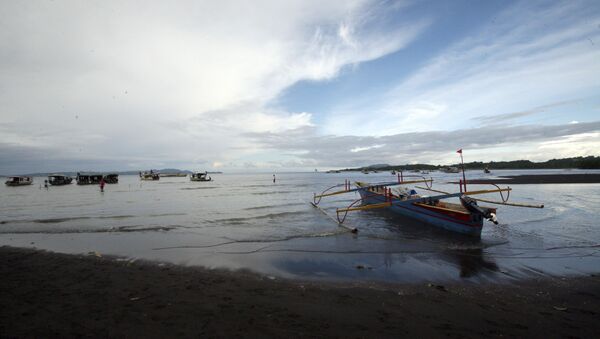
(56, 295)
(541, 179)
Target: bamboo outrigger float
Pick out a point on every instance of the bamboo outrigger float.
(466, 217)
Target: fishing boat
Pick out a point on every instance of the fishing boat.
(486, 170)
(393, 172)
(151, 176)
(19, 181)
(59, 180)
(111, 178)
(466, 217)
(200, 177)
(88, 179)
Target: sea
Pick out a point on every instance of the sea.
(248, 222)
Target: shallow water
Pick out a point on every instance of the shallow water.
(245, 221)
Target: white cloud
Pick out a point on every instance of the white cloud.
(172, 82)
(532, 55)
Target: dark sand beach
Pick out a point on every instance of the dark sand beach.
(541, 179)
(56, 295)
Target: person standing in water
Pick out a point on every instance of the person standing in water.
(273, 178)
(102, 183)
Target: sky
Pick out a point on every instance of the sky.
(250, 86)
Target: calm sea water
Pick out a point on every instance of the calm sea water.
(245, 221)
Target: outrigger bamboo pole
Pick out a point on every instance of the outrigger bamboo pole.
(509, 203)
(488, 191)
(489, 201)
(471, 192)
(333, 193)
(369, 186)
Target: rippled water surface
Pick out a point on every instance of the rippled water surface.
(247, 221)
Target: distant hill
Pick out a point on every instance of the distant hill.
(378, 166)
(591, 162)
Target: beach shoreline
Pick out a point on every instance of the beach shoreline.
(58, 295)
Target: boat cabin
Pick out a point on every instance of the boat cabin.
(88, 179)
(19, 181)
(149, 175)
(112, 178)
(59, 179)
(200, 177)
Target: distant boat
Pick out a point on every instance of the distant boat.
(19, 181)
(59, 180)
(450, 169)
(365, 171)
(151, 176)
(88, 179)
(486, 170)
(393, 172)
(425, 172)
(200, 177)
(112, 178)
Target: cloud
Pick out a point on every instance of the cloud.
(507, 117)
(173, 83)
(533, 54)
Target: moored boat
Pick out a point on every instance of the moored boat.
(88, 179)
(59, 180)
(111, 178)
(19, 181)
(450, 216)
(151, 176)
(200, 177)
(466, 217)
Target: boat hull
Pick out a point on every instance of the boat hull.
(19, 183)
(468, 224)
(60, 182)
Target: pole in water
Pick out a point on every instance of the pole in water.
(463, 169)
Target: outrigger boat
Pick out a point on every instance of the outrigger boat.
(19, 181)
(59, 180)
(466, 217)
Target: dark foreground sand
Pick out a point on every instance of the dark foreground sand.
(541, 179)
(55, 295)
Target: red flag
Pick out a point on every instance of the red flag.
(459, 151)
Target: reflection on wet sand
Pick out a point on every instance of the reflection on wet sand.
(472, 262)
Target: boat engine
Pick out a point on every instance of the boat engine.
(471, 205)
